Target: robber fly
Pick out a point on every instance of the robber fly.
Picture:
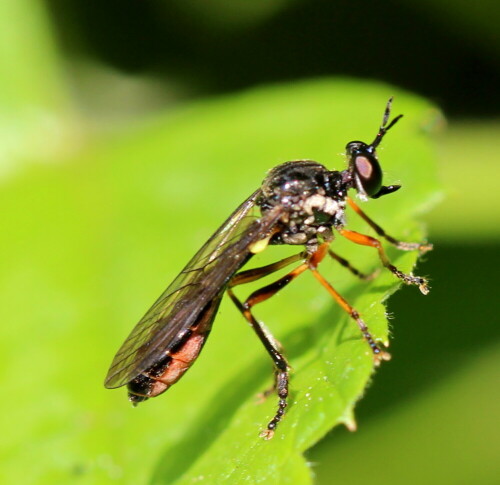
(301, 203)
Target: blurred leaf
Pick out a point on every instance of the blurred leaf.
(238, 14)
(87, 246)
(34, 103)
(29, 69)
(469, 168)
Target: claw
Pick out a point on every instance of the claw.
(423, 287)
(423, 248)
(267, 434)
(381, 356)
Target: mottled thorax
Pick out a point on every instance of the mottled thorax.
(314, 199)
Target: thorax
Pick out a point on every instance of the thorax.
(312, 198)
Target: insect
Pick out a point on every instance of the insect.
(301, 203)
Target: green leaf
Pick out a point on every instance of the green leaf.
(89, 245)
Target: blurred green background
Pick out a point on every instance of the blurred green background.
(120, 120)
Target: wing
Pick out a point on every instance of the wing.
(203, 279)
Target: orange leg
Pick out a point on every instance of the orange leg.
(365, 240)
(405, 246)
(377, 351)
(316, 258)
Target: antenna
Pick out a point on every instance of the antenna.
(383, 128)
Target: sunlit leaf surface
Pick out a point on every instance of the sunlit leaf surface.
(88, 245)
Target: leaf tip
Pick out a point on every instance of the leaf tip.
(350, 422)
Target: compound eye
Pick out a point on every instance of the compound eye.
(368, 174)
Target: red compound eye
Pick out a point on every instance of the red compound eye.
(368, 174)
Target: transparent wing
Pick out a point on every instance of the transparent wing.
(203, 279)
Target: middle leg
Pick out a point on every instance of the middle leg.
(345, 263)
(378, 352)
